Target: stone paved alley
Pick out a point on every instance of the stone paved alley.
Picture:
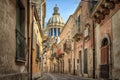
(59, 76)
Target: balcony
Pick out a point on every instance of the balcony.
(52, 56)
(76, 33)
(45, 45)
(67, 46)
(38, 59)
(103, 9)
(60, 55)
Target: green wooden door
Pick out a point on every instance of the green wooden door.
(85, 61)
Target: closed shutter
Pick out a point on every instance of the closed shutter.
(20, 38)
(18, 30)
(105, 55)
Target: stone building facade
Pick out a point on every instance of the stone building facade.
(16, 20)
(65, 47)
(13, 40)
(83, 39)
(107, 36)
(36, 45)
(37, 13)
(51, 41)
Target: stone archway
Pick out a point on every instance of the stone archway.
(105, 57)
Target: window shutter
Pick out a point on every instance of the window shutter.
(104, 54)
(20, 38)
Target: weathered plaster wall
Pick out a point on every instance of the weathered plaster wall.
(8, 38)
(101, 32)
(116, 44)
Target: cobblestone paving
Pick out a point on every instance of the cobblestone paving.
(48, 76)
(45, 77)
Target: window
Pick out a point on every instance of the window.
(92, 5)
(37, 52)
(58, 31)
(20, 31)
(105, 52)
(54, 31)
(85, 62)
(79, 23)
(86, 31)
(51, 31)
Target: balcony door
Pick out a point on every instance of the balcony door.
(104, 67)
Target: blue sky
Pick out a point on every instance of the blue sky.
(66, 8)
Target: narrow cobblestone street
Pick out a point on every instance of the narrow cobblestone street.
(59, 76)
(59, 39)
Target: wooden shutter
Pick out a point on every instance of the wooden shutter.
(105, 55)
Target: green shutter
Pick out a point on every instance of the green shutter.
(20, 39)
(85, 61)
(18, 30)
(18, 17)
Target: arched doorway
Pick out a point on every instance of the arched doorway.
(104, 66)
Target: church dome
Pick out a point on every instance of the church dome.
(56, 19)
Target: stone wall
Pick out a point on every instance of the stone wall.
(8, 66)
(16, 76)
(116, 44)
(87, 43)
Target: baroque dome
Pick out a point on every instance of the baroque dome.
(56, 19)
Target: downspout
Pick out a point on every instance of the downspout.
(41, 30)
(32, 40)
(41, 13)
(93, 50)
(74, 56)
(28, 42)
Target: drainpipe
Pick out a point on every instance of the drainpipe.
(41, 13)
(42, 64)
(93, 51)
(31, 40)
(74, 57)
(28, 42)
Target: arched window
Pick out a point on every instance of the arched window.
(104, 42)
(104, 67)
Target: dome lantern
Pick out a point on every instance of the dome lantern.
(56, 10)
(56, 19)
